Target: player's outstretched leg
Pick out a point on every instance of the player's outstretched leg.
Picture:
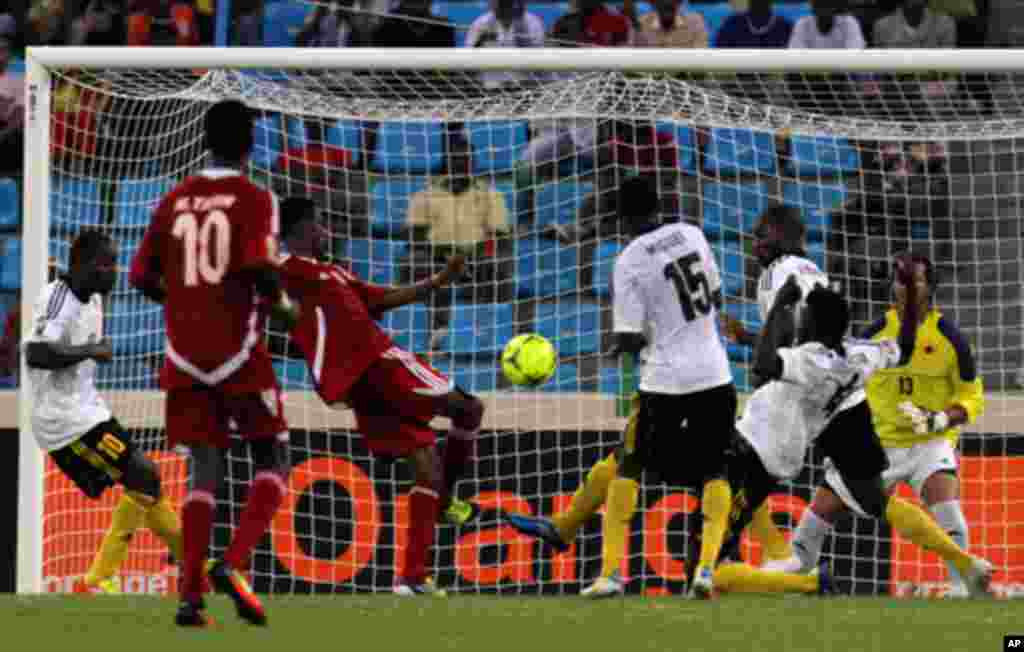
(127, 516)
(615, 523)
(809, 537)
(716, 502)
(466, 413)
(773, 542)
(743, 578)
(424, 507)
(197, 512)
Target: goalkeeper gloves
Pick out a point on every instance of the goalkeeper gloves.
(924, 421)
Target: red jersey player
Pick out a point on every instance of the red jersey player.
(394, 394)
(210, 256)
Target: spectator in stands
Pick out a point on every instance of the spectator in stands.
(12, 114)
(324, 173)
(9, 30)
(46, 23)
(77, 109)
(330, 27)
(10, 347)
(460, 214)
(593, 24)
(667, 27)
(413, 26)
(507, 25)
(162, 22)
(829, 27)
(760, 27)
(249, 23)
(102, 23)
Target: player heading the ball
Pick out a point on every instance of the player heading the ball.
(395, 394)
(210, 256)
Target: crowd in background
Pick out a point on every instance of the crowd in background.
(509, 23)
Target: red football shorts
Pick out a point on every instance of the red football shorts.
(392, 416)
(206, 415)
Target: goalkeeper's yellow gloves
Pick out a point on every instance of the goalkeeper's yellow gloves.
(924, 421)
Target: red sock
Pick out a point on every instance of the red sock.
(196, 522)
(457, 451)
(423, 509)
(265, 495)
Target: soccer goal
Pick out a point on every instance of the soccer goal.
(879, 150)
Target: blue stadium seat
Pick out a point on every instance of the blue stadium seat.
(282, 22)
(17, 66)
(566, 379)
(544, 268)
(740, 151)
(816, 252)
(126, 374)
(349, 135)
(135, 325)
(478, 329)
(474, 378)
(375, 260)
(497, 144)
(59, 249)
(10, 264)
(10, 205)
(559, 201)
(293, 374)
(462, 15)
(686, 142)
(816, 202)
(794, 11)
(409, 327)
(611, 382)
(126, 248)
(714, 16)
(822, 156)
(295, 133)
(574, 327)
(75, 203)
(604, 265)
(732, 209)
(741, 376)
(748, 314)
(268, 143)
(391, 196)
(513, 200)
(136, 200)
(729, 257)
(409, 147)
(549, 12)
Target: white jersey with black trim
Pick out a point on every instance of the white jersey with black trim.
(663, 284)
(775, 275)
(65, 402)
(782, 418)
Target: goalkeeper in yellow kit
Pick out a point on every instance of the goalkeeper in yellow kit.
(918, 410)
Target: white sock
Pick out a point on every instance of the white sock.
(809, 539)
(950, 518)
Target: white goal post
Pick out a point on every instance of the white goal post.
(690, 93)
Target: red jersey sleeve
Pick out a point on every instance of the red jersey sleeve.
(368, 292)
(257, 227)
(147, 268)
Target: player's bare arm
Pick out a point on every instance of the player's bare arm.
(398, 297)
(54, 355)
(777, 332)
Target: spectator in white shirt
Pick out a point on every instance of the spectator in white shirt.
(507, 25)
(826, 28)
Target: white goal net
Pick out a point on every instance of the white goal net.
(876, 162)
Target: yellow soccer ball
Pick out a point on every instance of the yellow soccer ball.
(529, 360)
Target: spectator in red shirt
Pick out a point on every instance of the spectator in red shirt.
(593, 24)
(162, 22)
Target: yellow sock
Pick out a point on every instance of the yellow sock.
(915, 525)
(162, 519)
(773, 542)
(588, 498)
(127, 517)
(716, 502)
(618, 513)
(742, 578)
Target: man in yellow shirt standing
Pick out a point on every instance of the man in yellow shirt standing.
(918, 410)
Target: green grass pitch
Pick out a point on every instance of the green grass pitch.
(499, 624)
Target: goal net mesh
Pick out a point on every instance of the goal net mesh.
(875, 163)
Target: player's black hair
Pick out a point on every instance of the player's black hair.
(87, 244)
(637, 201)
(930, 274)
(831, 313)
(791, 224)
(228, 128)
(293, 211)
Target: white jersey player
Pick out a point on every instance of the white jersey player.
(71, 421)
(815, 392)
